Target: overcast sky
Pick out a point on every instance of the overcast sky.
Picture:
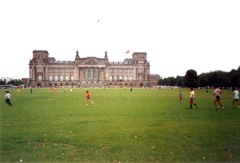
(177, 35)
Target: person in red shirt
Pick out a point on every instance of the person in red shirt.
(88, 98)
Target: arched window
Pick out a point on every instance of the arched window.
(39, 77)
(130, 78)
(110, 77)
(61, 78)
(120, 77)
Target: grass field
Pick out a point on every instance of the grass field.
(145, 125)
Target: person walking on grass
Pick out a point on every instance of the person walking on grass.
(88, 98)
(131, 89)
(8, 96)
(235, 97)
(180, 96)
(217, 92)
(192, 98)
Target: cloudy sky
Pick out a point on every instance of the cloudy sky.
(177, 35)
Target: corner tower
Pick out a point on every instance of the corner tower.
(106, 56)
(77, 56)
(139, 56)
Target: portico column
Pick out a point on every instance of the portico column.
(97, 73)
(34, 73)
(93, 73)
(30, 73)
(79, 74)
(89, 74)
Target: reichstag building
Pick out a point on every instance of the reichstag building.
(45, 71)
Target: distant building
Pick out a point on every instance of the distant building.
(154, 78)
(46, 71)
(25, 81)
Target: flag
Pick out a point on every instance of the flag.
(127, 51)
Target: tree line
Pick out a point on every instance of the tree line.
(14, 82)
(214, 78)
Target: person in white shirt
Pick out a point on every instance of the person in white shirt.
(217, 93)
(8, 96)
(235, 97)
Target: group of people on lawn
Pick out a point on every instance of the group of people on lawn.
(217, 92)
(8, 96)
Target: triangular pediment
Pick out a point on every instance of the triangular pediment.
(90, 62)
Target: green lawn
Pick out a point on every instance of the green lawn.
(146, 125)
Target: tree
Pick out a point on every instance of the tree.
(160, 82)
(213, 78)
(235, 77)
(224, 80)
(191, 79)
(2, 82)
(203, 80)
(218, 79)
(170, 81)
(166, 81)
(180, 81)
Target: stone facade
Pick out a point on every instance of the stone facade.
(46, 71)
